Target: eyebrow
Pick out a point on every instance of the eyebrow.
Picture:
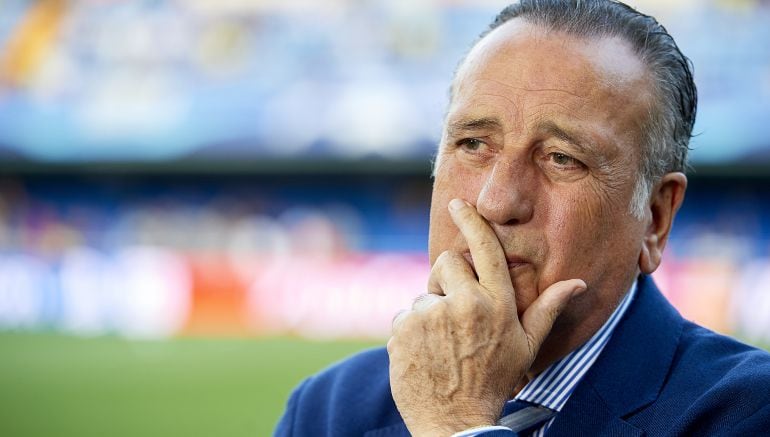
(455, 128)
(565, 135)
(474, 124)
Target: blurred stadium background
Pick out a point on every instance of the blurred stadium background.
(201, 202)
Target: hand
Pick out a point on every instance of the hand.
(458, 354)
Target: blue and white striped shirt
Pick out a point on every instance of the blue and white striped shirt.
(553, 387)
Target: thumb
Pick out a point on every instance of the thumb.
(538, 320)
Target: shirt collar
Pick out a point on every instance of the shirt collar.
(552, 387)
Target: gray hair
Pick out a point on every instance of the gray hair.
(671, 119)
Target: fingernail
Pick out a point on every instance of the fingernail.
(579, 289)
(456, 204)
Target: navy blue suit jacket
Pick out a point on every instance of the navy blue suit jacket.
(658, 375)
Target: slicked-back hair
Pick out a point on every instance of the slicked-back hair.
(669, 126)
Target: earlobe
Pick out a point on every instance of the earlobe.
(666, 198)
(650, 257)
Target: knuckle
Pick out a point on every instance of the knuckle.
(425, 301)
(437, 306)
(410, 321)
(448, 259)
(455, 258)
(452, 260)
(443, 260)
(398, 321)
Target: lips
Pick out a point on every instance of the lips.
(512, 260)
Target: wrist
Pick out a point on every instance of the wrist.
(452, 426)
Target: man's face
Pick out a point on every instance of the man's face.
(543, 137)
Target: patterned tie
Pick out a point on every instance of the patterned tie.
(524, 417)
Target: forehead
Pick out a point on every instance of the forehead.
(528, 71)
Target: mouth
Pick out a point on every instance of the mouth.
(514, 262)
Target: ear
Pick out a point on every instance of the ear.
(666, 198)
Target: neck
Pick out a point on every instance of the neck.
(570, 331)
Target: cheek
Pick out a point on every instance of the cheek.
(452, 181)
(587, 237)
(569, 222)
(573, 231)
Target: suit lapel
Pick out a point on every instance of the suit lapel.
(629, 373)
(590, 416)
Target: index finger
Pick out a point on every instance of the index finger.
(487, 253)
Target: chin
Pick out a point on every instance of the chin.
(526, 291)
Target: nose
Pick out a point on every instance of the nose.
(508, 194)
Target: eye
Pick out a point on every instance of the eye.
(564, 161)
(470, 144)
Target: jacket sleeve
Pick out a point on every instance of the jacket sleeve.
(756, 424)
(285, 427)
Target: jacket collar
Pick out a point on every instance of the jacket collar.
(631, 370)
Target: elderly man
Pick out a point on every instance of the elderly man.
(556, 184)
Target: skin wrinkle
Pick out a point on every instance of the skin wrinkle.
(546, 105)
(529, 89)
(608, 176)
(512, 109)
(555, 90)
(452, 93)
(484, 123)
(493, 124)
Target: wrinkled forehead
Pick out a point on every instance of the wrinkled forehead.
(576, 60)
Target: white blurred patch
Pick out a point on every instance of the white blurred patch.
(22, 278)
(152, 298)
(140, 292)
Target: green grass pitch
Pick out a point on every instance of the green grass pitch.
(53, 385)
